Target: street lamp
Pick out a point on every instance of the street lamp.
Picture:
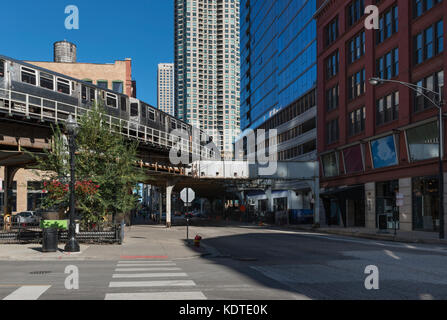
(438, 104)
(72, 244)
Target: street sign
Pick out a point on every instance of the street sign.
(187, 195)
(399, 200)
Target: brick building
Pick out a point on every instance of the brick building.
(377, 142)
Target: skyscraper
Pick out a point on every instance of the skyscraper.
(207, 75)
(165, 85)
(278, 82)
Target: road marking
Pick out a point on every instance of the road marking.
(149, 275)
(139, 284)
(146, 269)
(146, 264)
(142, 257)
(156, 296)
(143, 262)
(28, 293)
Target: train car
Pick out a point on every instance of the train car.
(55, 90)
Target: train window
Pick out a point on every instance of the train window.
(134, 109)
(92, 95)
(63, 86)
(151, 115)
(143, 110)
(84, 93)
(112, 100)
(184, 127)
(123, 104)
(29, 76)
(173, 124)
(2, 68)
(46, 81)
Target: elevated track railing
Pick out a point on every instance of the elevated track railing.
(43, 109)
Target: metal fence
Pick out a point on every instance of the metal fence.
(23, 233)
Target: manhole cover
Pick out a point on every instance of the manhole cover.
(39, 273)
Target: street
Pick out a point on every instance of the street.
(238, 262)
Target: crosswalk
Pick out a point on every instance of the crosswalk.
(160, 280)
(27, 293)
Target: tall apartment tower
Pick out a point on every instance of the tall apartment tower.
(165, 87)
(207, 63)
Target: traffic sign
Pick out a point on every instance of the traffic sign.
(187, 195)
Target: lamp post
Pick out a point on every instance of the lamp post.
(72, 244)
(438, 104)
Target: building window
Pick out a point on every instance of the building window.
(388, 65)
(429, 43)
(117, 86)
(434, 82)
(103, 84)
(421, 6)
(332, 132)
(356, 47)
(46, 81)
(356, 84)
(423, 142)
(331, 31)
(63, 86)
(332, 65)
(332, 98)
(388, 24)
(29, 76)
(330, 165)
(387, 109)
(356, 10)
(88, 81)
(356, 124)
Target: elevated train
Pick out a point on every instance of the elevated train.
(18, 79)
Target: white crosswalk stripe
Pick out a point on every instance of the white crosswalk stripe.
(163, 275)
(27, 293)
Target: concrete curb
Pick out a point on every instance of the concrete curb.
(370, 236)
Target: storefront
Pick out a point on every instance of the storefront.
(425, 203)
(386, 203)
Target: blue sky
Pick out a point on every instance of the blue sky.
(109, 30)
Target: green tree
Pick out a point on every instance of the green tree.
(106, 169)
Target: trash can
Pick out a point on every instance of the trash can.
(50, 240)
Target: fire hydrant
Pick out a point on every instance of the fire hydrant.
(197, 241)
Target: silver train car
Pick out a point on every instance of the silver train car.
(19, 77)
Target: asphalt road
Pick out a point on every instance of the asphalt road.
(247, 263)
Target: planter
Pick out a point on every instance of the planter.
(56, 224)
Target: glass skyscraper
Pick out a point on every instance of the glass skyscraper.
(278, 91)
(278, 54)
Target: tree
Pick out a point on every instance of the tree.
(106, 170)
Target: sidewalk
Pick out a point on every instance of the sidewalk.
(141, 242)
(401, 236)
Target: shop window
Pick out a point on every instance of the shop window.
(386, 203)
(426, 203)
(423, 142)
(353, 159)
